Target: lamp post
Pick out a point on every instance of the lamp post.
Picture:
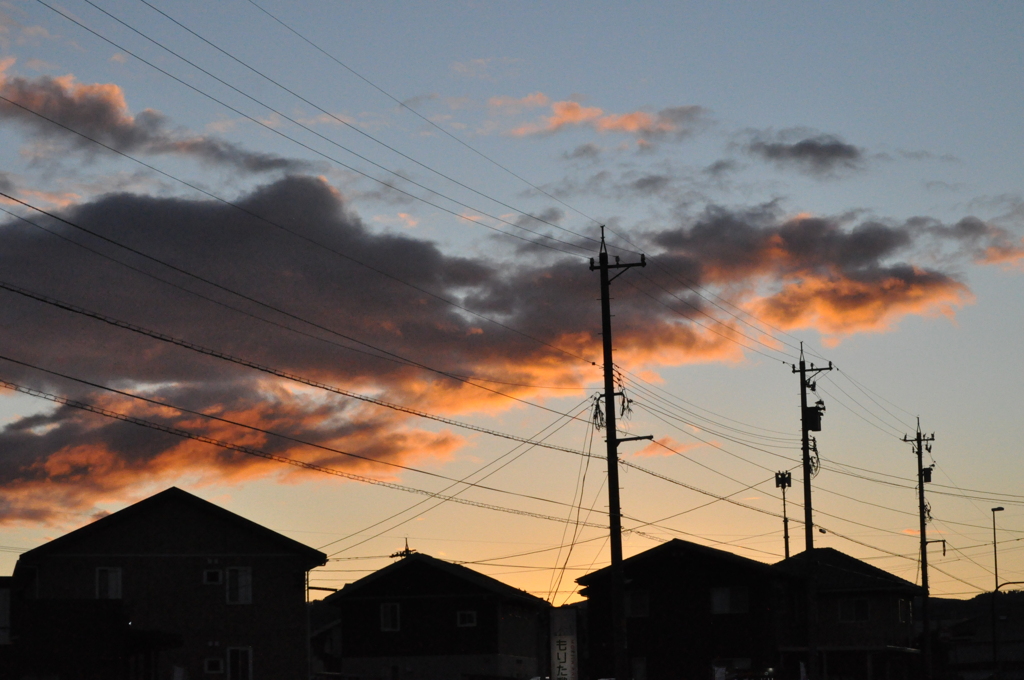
(995, 591)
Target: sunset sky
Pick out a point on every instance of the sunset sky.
(213, 211)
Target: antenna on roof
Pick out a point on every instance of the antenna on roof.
(404, 553)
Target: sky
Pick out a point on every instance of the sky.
(328, 266)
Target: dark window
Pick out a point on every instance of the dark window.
(638, 603)
(730, 600)
(639, 666)
(854, 609)
(213, 577)
(389, 616)
(239, 585)
(213, 665)
(239, 663)
(108, 583)
(465, 619)
(906, 611)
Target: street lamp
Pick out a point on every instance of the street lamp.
(995, 591)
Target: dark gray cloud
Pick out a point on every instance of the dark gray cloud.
(721, 167)
(832, 273)
(820, 155)
(588, 151)
(99, 111)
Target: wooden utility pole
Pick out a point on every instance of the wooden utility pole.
(620, 651)
(920, 444)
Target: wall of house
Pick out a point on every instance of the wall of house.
(163, 558)
(680, 635)
(863, 619)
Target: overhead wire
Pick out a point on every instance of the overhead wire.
(297, 234)
(441, 502)
(405, 106)
(326, 156)
(326, 112)
(273, 371)
(251, 451)
(272, 433)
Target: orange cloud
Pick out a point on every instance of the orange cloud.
(841, 305)
(678, 120)
(512, 105)
(563, 113)
(666, 443)
(1008, 256)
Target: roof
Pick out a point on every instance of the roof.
(456, 570)
(838, 572)
(679, 547)
(169, 504)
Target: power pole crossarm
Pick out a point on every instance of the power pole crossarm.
(618, 628)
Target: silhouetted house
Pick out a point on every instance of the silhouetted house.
(964, 649)
(424, 618)
(172, 587)
(865, 622)
(692, 612)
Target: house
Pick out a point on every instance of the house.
(865, 621)
(428, 619)
(692, 612)
(178, 587)
(964, 650)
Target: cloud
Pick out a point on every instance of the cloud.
(100, 111)
(819, 155)
(667, 446)
(588, 151)
(832, 274)
(488, 68)
(822, 273)
(511, 106)
(675, 122)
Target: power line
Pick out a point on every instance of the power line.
(282, 227)
(322, 110)
(417, 114)
(279, 133)
(272, 433)
(83, 406)
(275, 372)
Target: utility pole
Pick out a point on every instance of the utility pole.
(921, 443)
(619, 641)
(810, 421)
(784, 480)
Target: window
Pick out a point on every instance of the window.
(853, 609)
(734, 600)
(239, 663)
(906, 611)
(639, 667)
(389, 619)
(465, 619)
(638, 603)
(239, 585)
(213, 665)
(213, 577)
(108, 583)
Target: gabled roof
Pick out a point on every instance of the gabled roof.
(838, 572)
(679, 547)
(167, 505)
(456, 570)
